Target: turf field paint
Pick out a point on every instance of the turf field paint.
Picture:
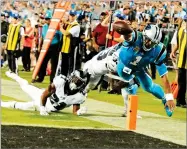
(59, 12)
(132, 112)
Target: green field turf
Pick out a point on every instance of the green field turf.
(146, 103)
(58, 119)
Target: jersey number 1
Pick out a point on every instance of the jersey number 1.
(136, 61)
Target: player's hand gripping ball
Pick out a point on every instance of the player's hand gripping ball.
(122, 28)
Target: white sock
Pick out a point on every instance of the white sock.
(25, 106)
(8, 104)
(125, 98)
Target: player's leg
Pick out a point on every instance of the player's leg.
(34, 92)
(151, 87)
(129, 90)
(93, 82)
(19, 105)
(78, 98)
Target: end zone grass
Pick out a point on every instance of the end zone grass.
(59, 119)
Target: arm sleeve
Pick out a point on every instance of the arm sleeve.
(162, 69)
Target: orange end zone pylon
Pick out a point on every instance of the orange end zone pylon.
(132, 112)
(59, 12)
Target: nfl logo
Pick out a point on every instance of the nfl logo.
(136, 48)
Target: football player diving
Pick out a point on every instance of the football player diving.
(130, 59)
(62, 93)
(139, 50)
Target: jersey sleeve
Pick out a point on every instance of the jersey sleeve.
(161, 54)
(162, 69)
(160, 65)
(59, 81)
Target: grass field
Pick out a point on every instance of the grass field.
(147, 103)
(104, 113)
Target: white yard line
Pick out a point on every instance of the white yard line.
(151, 124)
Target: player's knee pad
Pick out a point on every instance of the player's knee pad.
(132, 89)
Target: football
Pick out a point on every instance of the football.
(122, 28)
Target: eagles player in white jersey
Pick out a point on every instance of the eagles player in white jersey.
(62, 93)
(103, 63)
(98, 65)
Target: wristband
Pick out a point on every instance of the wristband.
(169, 96)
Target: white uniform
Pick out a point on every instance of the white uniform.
(57, 101)
(97, 66)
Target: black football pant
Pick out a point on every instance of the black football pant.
(53, 54)
(26, 60)
(182, 86)
(12, 60)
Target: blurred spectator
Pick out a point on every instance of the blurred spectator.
(99, 34)
(4, 32)
(115, 38)
(179, 39)
(113, 35)
(69, 51)
(82, 13)
(27, 44)
(52, 53)
(129, 13)
(14, 42)
(4, 25)
(141, 26)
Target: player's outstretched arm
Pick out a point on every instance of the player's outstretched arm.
(163, 72)
(169, 96)
(47, 93)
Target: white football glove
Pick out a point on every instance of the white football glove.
(43, 111)
(82, 110)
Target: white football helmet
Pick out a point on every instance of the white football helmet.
(152, 35)
(76, 80)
